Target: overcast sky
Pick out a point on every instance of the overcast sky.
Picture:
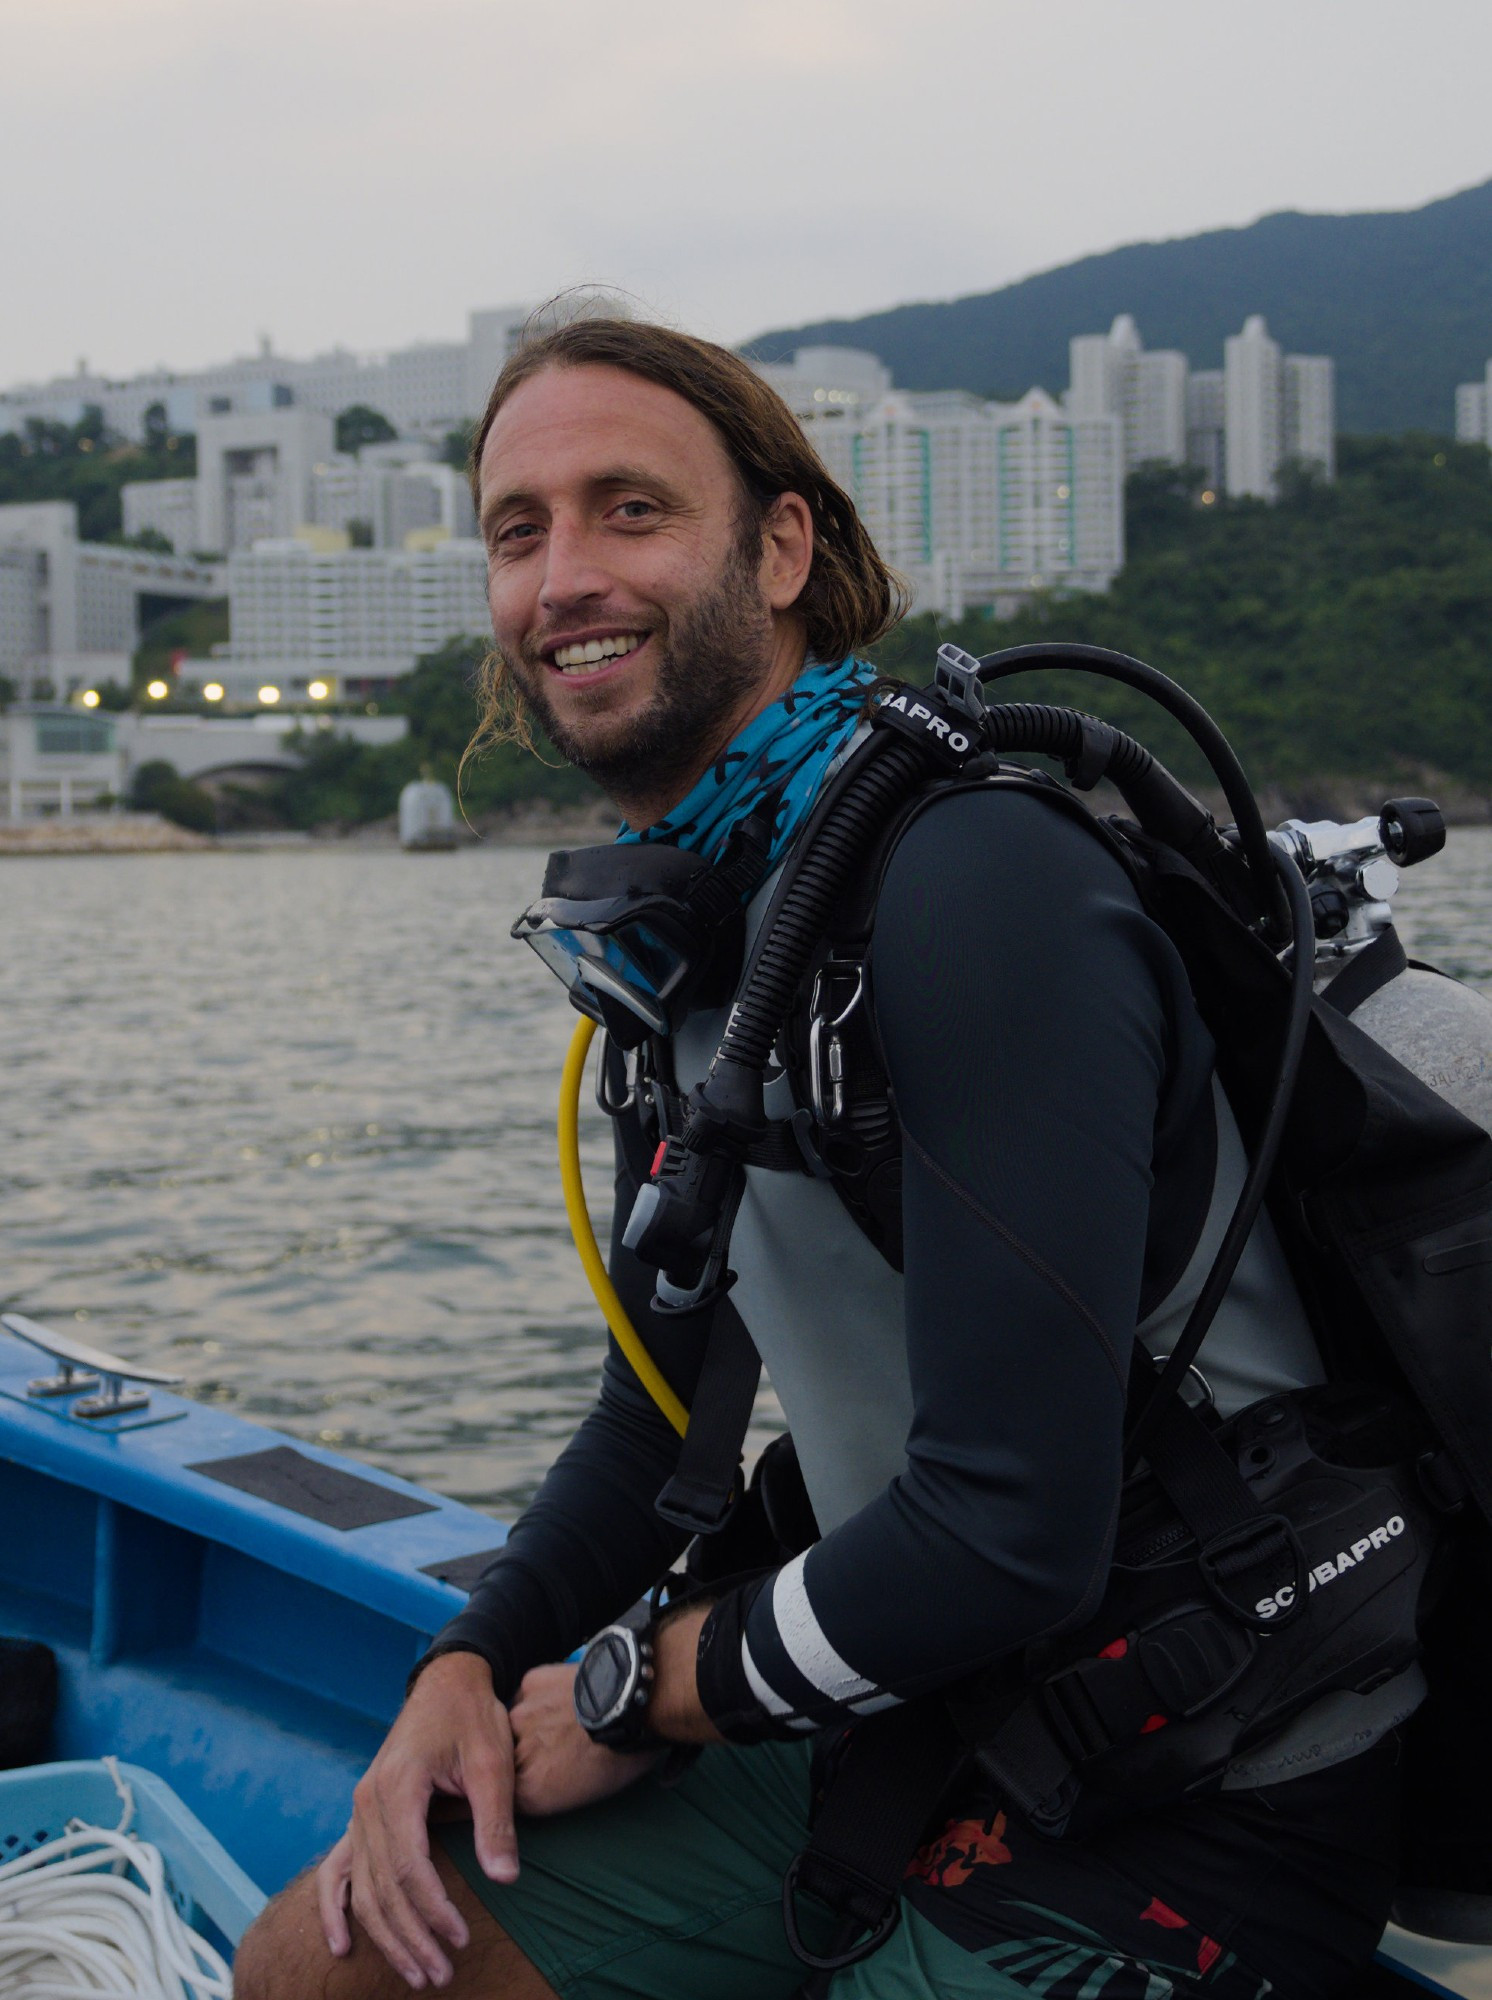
(178, 177)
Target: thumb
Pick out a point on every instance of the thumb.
(489, 1793)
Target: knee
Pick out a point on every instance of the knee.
(283, 1955)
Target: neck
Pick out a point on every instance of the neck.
(644, 808)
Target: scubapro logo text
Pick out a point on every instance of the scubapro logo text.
(1333, 1567)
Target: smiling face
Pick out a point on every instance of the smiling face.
(642, 609)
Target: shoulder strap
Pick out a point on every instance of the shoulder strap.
(1365, 973)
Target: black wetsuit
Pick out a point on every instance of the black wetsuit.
(1054, 1087)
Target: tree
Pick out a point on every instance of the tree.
(362, 425)
(158, 788)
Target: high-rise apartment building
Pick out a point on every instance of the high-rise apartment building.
(1207, 427)
(981, 503)
(1113, 375)
(1279, 408)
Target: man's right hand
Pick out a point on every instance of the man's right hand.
(451, 1737)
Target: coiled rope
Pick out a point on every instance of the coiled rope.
(88, 1916)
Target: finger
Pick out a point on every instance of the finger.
(403, 1883)
(333, 1882)
(488, 1784)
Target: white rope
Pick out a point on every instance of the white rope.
(88, 1917)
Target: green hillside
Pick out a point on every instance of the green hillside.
(1345, 632)
(1402, 300)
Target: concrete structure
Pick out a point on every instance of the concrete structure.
(1471, 411)
(432, 387)
(1279, 408)
(1311, 412)
(58, 760)
(1113, 375)
(1207, 428)
(71, 611)
(168, 506)
(254, 475)
(822, 382)
(982, 503)
(390, 498)
(366, 614)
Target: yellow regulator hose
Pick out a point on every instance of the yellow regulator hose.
(615, 1313)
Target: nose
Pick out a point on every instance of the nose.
(573, 571)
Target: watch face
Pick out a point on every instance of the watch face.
(606, 1677)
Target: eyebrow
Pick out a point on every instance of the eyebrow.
(614, 477)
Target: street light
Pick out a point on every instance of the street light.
(90, 698)
(269, 695)
(213, 691)
(318, 690)
(157, 690)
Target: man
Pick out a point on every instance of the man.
(678, 593)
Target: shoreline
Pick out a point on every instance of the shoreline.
(537, 823)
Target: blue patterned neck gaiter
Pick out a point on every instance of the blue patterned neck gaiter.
(786, 749)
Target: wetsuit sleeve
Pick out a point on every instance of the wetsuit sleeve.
(1024, 1004)
(590, 1543)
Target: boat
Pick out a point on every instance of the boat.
(427, 817)
(235, 1611)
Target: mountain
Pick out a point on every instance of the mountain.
(1403, 300)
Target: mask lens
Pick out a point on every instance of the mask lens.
(634, 964)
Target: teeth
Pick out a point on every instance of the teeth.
(590, 653)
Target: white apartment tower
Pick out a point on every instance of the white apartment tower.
(1113, 375)
(1278, 407)
(1207, 427)
(981, 503)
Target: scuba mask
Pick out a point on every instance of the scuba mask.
(640, 932)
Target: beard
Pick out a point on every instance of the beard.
(713, 654)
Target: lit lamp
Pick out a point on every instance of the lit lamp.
(269, 695)
(213, 691)
(157, 690)
(318, 690)
(90, 698)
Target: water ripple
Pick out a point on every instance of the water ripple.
(283, 1122)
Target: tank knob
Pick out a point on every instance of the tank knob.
(1330, 909)
(1412, 829)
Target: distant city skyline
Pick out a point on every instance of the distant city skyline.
(176, 180)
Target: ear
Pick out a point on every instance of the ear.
(787, 550)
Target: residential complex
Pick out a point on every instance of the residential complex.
(1240, 424)
(359, 618)
(71, 611)
(979, 503)
(341, 570)
(426, 390)
(264, 475)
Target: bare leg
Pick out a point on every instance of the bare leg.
(284, 1955)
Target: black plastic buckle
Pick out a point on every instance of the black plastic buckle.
(1251, 1552)
(852, 1954)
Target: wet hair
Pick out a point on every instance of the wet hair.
(850, 599)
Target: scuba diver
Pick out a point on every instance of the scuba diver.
(1036, 1166)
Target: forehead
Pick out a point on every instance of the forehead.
(569, 424)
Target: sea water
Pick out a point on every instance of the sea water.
(282, 1122)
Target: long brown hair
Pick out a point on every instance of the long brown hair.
(851, 598)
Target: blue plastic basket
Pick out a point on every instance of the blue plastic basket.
(207, 1886)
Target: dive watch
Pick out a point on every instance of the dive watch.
(613, 1686)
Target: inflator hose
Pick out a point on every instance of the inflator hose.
(886, 769)
(613, 1311)
(1189, 712)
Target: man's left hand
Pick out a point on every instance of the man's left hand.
(560, 1768)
